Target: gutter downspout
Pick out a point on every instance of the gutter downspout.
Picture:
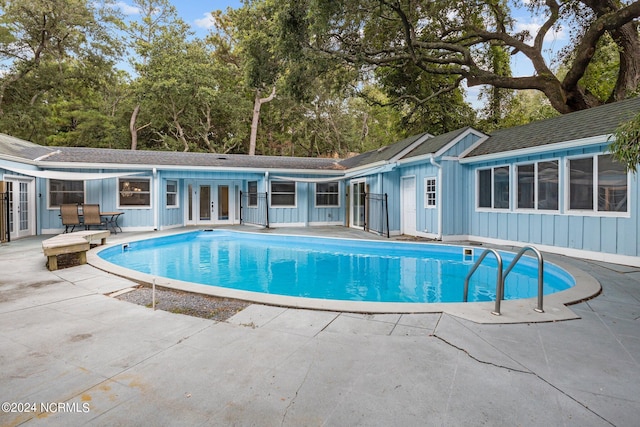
(156, 200)
(438, 196)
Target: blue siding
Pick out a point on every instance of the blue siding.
(595, 232)
(462, 145)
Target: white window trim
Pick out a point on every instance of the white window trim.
(53, 208)
(435, 192)
(135, 207)
(177, 193)
(315, 198)
(593, 212)
(295, 196)
(535, 208)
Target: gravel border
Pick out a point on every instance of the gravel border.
(197, 305)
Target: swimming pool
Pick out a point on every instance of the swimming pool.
(331, 268)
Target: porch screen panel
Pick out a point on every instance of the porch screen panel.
(526, 186)
(548, 185)
(612, 185)
(581, 183)
(501, 187)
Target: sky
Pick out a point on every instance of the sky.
(197, 14)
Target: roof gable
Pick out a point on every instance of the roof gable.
(437, 144)
(596, 121)
(386, 153)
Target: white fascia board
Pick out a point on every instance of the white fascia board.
(577, 143)
(58, 165)
(358, 169)
(471, 131)
(448, 146)
(417, 159)
(20, 160)
(410, 148)
(474, 146)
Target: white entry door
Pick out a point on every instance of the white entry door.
(408, 206)
(21, 202)
(210, 203)
(358, 204)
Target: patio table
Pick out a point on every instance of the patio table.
(111, 220)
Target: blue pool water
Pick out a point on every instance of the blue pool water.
(328, 268)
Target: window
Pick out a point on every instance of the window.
(493, 188)
(538, 186)
(172, 194)
(253, 193)
(581, 183)
(548, 185)
(61, 192)
(526, 187)
(484, 188)
(429, 192)
(598, 184)
(501, 187)
(612, 185)
(327, 194)
(283, 193)
(134, 192)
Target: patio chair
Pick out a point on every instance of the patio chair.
(92, 216)
(69, 215)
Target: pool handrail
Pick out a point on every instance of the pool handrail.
(538, 254)
(499, 281)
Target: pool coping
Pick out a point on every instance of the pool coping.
(512, 311)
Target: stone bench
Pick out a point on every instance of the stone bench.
(72, 243)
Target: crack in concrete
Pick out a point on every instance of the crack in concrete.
(295, 396)
(479, 360)
(528, 372)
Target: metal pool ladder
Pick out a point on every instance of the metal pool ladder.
(500, 278)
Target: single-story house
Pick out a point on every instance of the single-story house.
(551, 184)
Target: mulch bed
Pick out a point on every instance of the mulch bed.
(197, 305)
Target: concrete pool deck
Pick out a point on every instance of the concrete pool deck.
(87, 358)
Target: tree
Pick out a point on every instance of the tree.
(36, 31)
(626, 145)
(251, 31)
(449, 37)
(157, 17)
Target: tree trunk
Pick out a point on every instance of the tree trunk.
(180, 134)
(256, 117)
(626, 37)
(132, 127)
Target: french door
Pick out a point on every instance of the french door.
(358, 204)
(21, 203)
(210, 202)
